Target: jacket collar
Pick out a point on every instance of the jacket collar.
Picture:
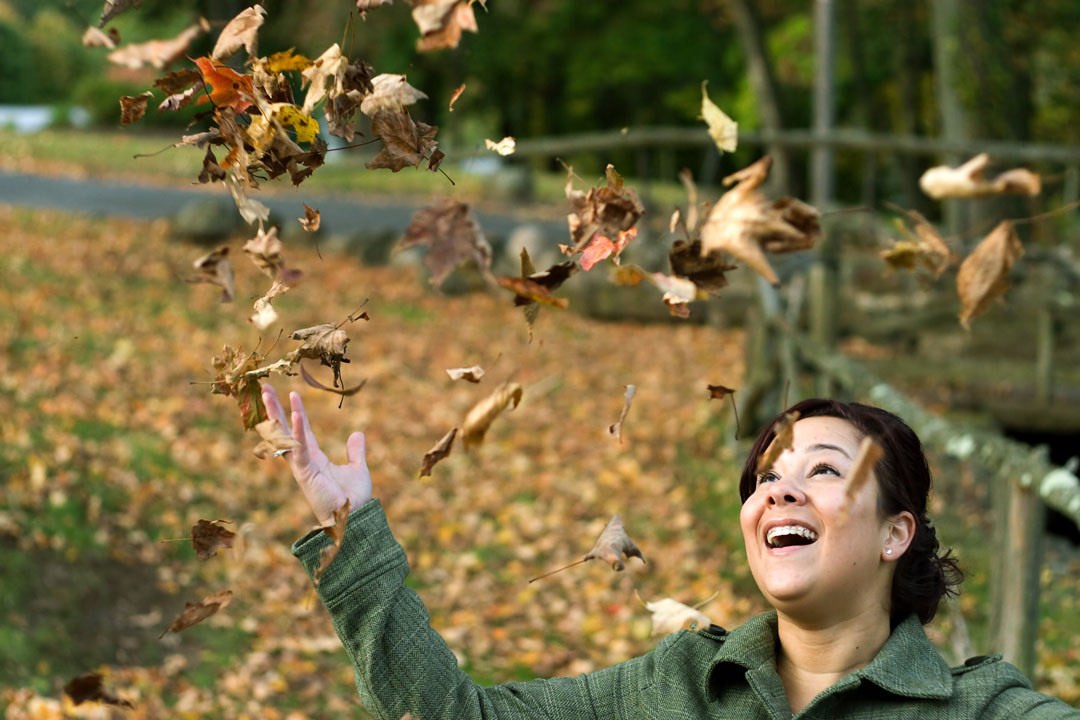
(907, 664)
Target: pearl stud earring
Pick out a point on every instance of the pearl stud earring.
(888, 551)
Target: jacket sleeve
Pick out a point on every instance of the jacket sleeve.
(402, 665)
(1016, 700)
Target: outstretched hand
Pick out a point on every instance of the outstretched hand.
(325, 485)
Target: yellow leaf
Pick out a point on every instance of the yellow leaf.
(306, 127)
(723, 130)
(285, 61)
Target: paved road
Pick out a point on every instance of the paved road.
(340, 213)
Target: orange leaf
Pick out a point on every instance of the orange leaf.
(230, 88)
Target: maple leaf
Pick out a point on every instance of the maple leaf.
(96, 38)
(984, 275)
(612, 544)
(115, 7)
(670, 615)
(159, 53)
(405, 143)
(601, 247)
(504, 147)
(441, 22)
(325, 343)
(608, 210)
(91, 688)
(311, 219)
(615, 430)
(229, 88)
(211, 171)
(335, 532)
(214, 268)
(706, 272)
(237, 379)
(968, 180)
(723, 130)
(744, 224)
(438, 452)
(483, 413)
(389, 92)
(207, 536)
(285, 61)
(471, 374)
(133, 107)
(783, 438)
(240, 32)
(343, 84)
(195, 613)
(454, 97)
(451, 231)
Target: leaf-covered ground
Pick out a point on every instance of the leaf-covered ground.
(108, 451)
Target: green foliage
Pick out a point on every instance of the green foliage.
(17, 60)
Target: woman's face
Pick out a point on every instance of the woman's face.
(813, 552)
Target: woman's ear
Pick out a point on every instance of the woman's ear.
(901, 531)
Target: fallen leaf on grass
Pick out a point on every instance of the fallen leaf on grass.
(615, 430)
(274, 438)
(723, 130)
(968, 180)
(214, 268)
(451, 231)
(207, 536)
(96, 38)
(472, 374)
(504, 147)
(984, 275)
(335, 532)
(158, 54)
(91, 688)
(784, 436)
(670, 615)
(240, 32)
(195, 613)
(133, 107)
(480, 417)
(311, 220)
(438, 452)
(455, 95)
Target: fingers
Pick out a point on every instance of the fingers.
(298, 407)
(356, 450)
(302, 454)
(273, 405)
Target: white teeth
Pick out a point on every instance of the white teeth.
(790, 530)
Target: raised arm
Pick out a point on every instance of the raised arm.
(401, 664)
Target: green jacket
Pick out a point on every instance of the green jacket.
(402, 665)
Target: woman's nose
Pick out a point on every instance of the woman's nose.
(783, 492)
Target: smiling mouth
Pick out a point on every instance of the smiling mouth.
(788, 535)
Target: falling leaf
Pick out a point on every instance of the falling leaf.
(389, 92)
(335, 532)
(438, 452)
(530, 291)
(719, 392)
(480, 417)
(723, 130)
(344, 392)
(441, 22)
(601, 247)
(238, 374)
(344, 85)
(629, 276)
(96, 38)
(687, 180)
(324, 342)
(265, 251)
(115, 7)
(287, 61)
(869, 453)
(159, 54)
(669, 616)
(207, 536)
(783, 438)
(927, 249)
(612, 544)
(230, 88)
(195, 613)
(707, 272)
(608, 210)
(265, 314)
(91, 688)
(453, 234)
(250, 209)
(214, 268)
(746, 225)
(274, 437)
(405, 143)
(240, 32)
(133, 107)
(311, 219)
(504, 147)
(211, 171)
(616, 429)
(678, 293)
(968, 180)
(455, 95)
(984, 275)
(472, 374)
(364, 5)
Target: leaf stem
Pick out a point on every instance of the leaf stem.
(564, 567)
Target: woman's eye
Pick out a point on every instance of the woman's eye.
(767, 477)
(824, 468)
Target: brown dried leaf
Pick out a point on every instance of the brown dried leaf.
(311, 220)
(440, 451)
(441, 22)
(115, 7)
(240, 32)
(211, 171)
(678, 293)
(195, 613)
(265, 251)
(327, 344)
(238, 376)
(159, 54)
(455, 95)
(454, 236)
(207, 536)
(530, 291)
(719, 392)
(133, 107)
(612, 544)
(96, 38)
(984, 275)
(504, 147)
(344, 392)
(968, 180)
(471, 374)
(669, 615)
(214, 268)
(274, 438)
(335, 532)
(405, 143)
(480, 417)
(783, 439)
(705, 271)
(91, 688)
(615, 430)
(364, 5)
(863, 466)
(608, 210)
(251, 210)
(389, 92)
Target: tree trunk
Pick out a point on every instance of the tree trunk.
(945, 22)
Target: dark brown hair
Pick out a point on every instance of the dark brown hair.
(924, 575)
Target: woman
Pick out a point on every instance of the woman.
(852, 582)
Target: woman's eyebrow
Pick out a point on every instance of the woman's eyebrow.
(824, 446)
